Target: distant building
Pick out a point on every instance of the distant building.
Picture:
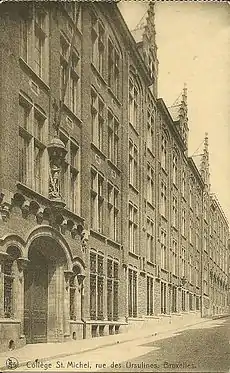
(102, 211)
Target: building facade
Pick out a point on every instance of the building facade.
(102, 220)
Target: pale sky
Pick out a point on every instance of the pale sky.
(193, 41)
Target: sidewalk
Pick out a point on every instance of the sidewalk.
(48, 351)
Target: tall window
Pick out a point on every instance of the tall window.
(72, 93)
(174, 257)
(113, 68)
(183, 263)
(150, 241)
(174, 212)
(150, 184)
(70, 180)
(163, 204)
(32, 138)
(133, 159)
(132, 293)
(197, 238)
(183, 298)
(190, 269)
(175, 169)
(112, 289)
(163, 152)
(163, 297)
(205, 281)
(163, 250)
(190, 197)
(197, 274)
(34, 39)
(150, 296)
(113, 210)
(150, 128)
(113, 138)
(98, 44)
(183, 227)
(190, 231)
(133, 103)
(96, 286)
(132, 228)
(174, 299)
(205, 241)
(183, 184)
(97, 200)
(97, 114)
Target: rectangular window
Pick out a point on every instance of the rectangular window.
(70, 177)
(97, 200)
(183, 300)
(112, 290)
(150, 296)
(113, 138)
(163, 250)
(113, 211)
(163, 298)
(97, 119)
(31, 145)
(190, 231)
(174, 299)
(113, 68)
(183, 184)
(34, 37)
(132, 293)
(133, 228)
(205, 281)
(150, 241)
(163, 204)
(163, 152)
(174, 169)
(190, 269)
(96, 286)
(71, 73)
(183, 227)
(150, 128)
(150, 185)
(133, 103)
(98, 44)
(133, 159)
(174, 257)
(183, 263)
(174, 212)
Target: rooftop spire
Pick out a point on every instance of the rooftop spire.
(204, 167)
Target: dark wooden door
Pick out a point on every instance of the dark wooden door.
(36, 301)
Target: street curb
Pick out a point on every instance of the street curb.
(24, 363)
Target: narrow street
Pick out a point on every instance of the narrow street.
(200, 348)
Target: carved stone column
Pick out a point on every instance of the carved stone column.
(66, 300)
(3, 257)
(22, 267)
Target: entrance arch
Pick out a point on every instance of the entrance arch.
(44, 285)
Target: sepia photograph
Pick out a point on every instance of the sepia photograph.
(115, 186)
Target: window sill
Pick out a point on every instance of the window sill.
(113, 165)
(150, 205)
(174, 228)
(34, 74)
(114, 243)
(150, 152)
(99, 75)
(165, 172)
(134, 129)
(72, 114)
(9, 321)
(98, 151)
(133, 255)
(114, 96)
(151, 264)
(32, 193)
(98, 234)
(164, 218)
(134, 188)
(164, 270)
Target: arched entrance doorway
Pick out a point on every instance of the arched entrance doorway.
(36, 298)
(45, 296)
